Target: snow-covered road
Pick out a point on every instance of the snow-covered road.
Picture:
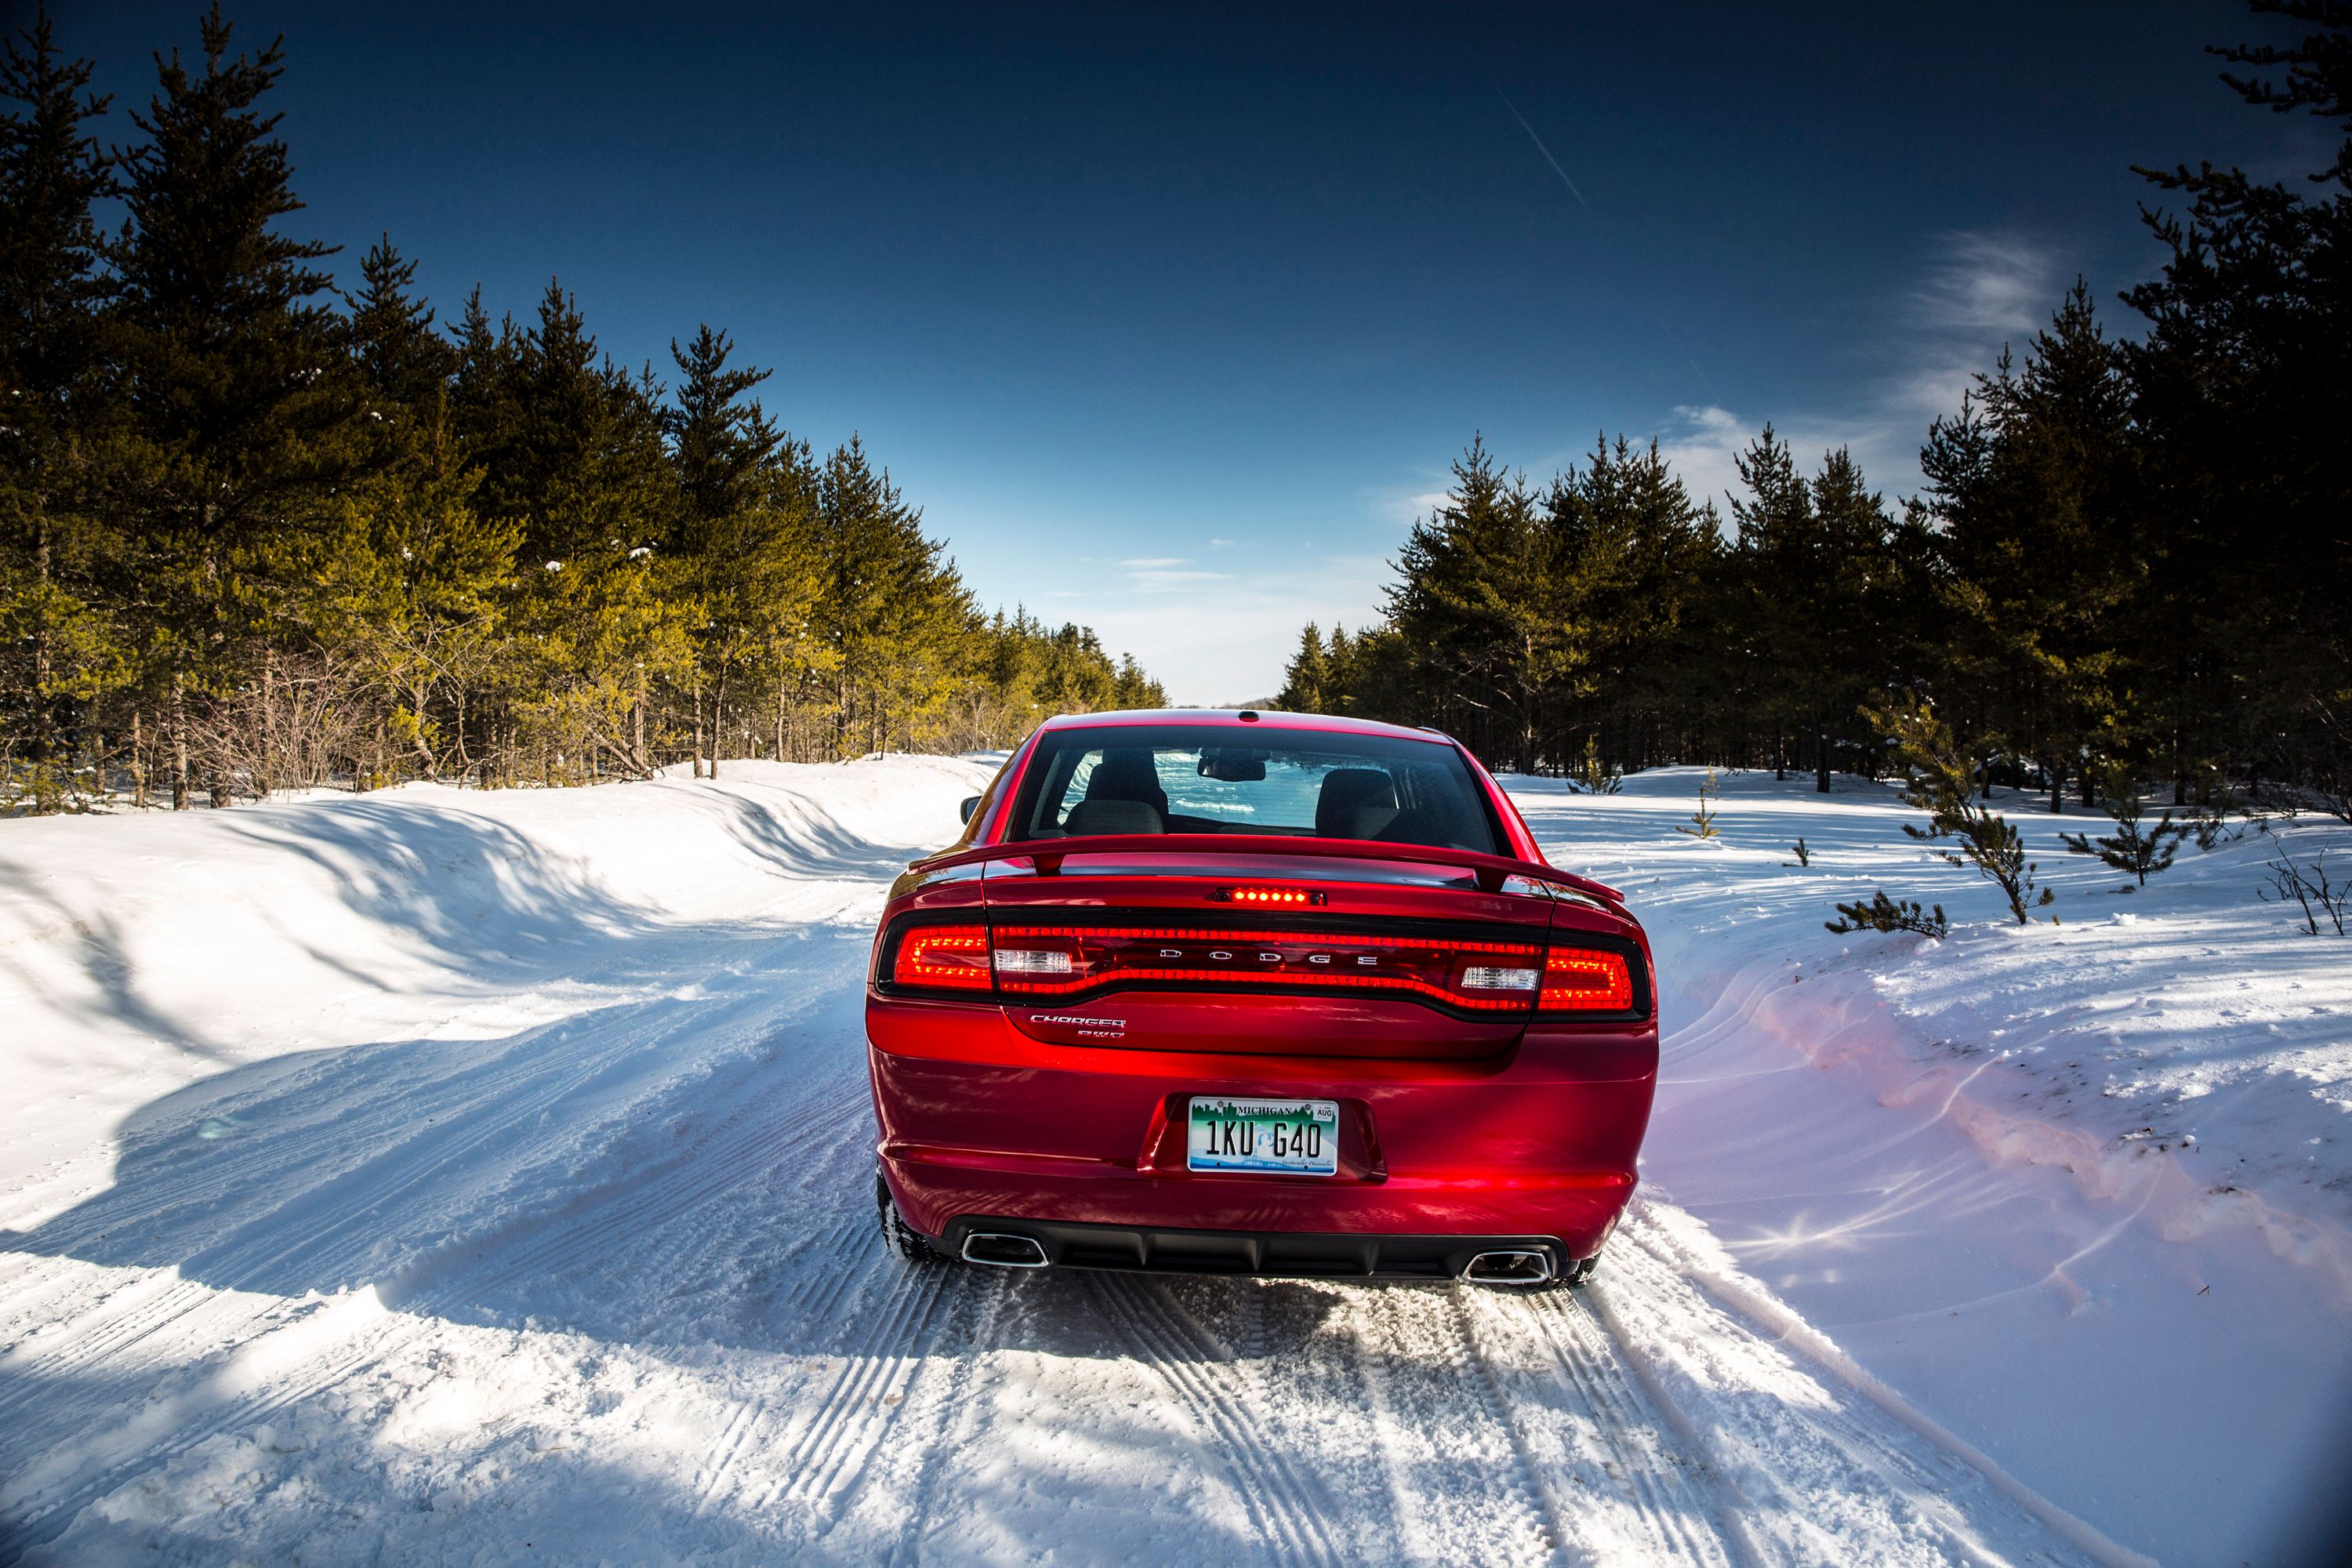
(578, 1263)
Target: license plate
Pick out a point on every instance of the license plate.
(1292, 1137)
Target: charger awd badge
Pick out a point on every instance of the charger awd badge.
(1088, 1027)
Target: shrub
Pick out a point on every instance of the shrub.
(1942, 785)
(2143, 853)
(1883, 913)
(1703, 819)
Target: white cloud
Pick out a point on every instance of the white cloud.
(1983, 291)
(1167, 574)
(1402, 506)
(1980, 291)
(1988, 285)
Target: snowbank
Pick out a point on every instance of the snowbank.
(2084, 1189)
(137, 952)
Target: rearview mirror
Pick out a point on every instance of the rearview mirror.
(1232, 766)
(971, 804)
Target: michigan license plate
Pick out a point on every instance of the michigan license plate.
(1291, 1137)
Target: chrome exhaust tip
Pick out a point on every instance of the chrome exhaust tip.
(1510, 1266)
(1000, 1250)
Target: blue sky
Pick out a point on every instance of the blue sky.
(1171, 318)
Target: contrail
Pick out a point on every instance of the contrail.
(1544, 150)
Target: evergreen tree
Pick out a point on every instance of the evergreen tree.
(573, 453)
(1778, 567)
(403, 364)
(2142, 851)
(2240, 390)
(239, 424)
(1477, 593)
(1638, 561)
(1305, 684)
(744, 553)
(893, 620)
(2033, 484)
(61, 646)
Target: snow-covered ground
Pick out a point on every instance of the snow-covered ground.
(2082, 1190)
(440, 1176)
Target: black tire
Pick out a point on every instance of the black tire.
(898, 1236)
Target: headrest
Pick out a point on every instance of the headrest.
(1352, 802)
(1126, 772)
(1090, 818)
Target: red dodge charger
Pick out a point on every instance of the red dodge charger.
(1256, 994)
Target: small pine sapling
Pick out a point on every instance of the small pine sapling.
(1597, 776)
(1883, 913)
(1943, 785)
(2143, 853)
(1703, 819)
(1804, 856)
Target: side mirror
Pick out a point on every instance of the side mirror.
(971, 804)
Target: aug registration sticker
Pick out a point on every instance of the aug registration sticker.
(1287, 1137)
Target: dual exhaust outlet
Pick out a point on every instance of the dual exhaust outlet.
(1008, 1249)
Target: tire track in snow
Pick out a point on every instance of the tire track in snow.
(1528, 1486)
(1440, 1457)
(826, 1447)
(239, 1392)
(265, 1373)
(1288, 1510)
(947, 1408)
(1659, 1485)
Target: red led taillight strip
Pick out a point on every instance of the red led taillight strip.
(1425, 966)
(1585, 980)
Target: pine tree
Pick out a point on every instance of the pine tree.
(404, 363)
(1638, 560)
(1309, 673)
(1943, 785)
(63, 649)
(2240, 389)
(2140, 851)
(1478, 597)
(2033, 483)
(239, 424)
(893, 622)
(1778, 567)
(744, 553)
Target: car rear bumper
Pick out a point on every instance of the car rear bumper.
(1138, 1249)
(1536, 1144)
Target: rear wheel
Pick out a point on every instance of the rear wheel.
(898, 1236)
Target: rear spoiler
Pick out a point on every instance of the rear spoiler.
(1490, 870)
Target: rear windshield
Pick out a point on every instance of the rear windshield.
(1176, 778)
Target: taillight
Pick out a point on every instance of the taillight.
(1585, 980)
(943, 958)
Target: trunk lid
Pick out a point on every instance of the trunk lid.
(1236, 950)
